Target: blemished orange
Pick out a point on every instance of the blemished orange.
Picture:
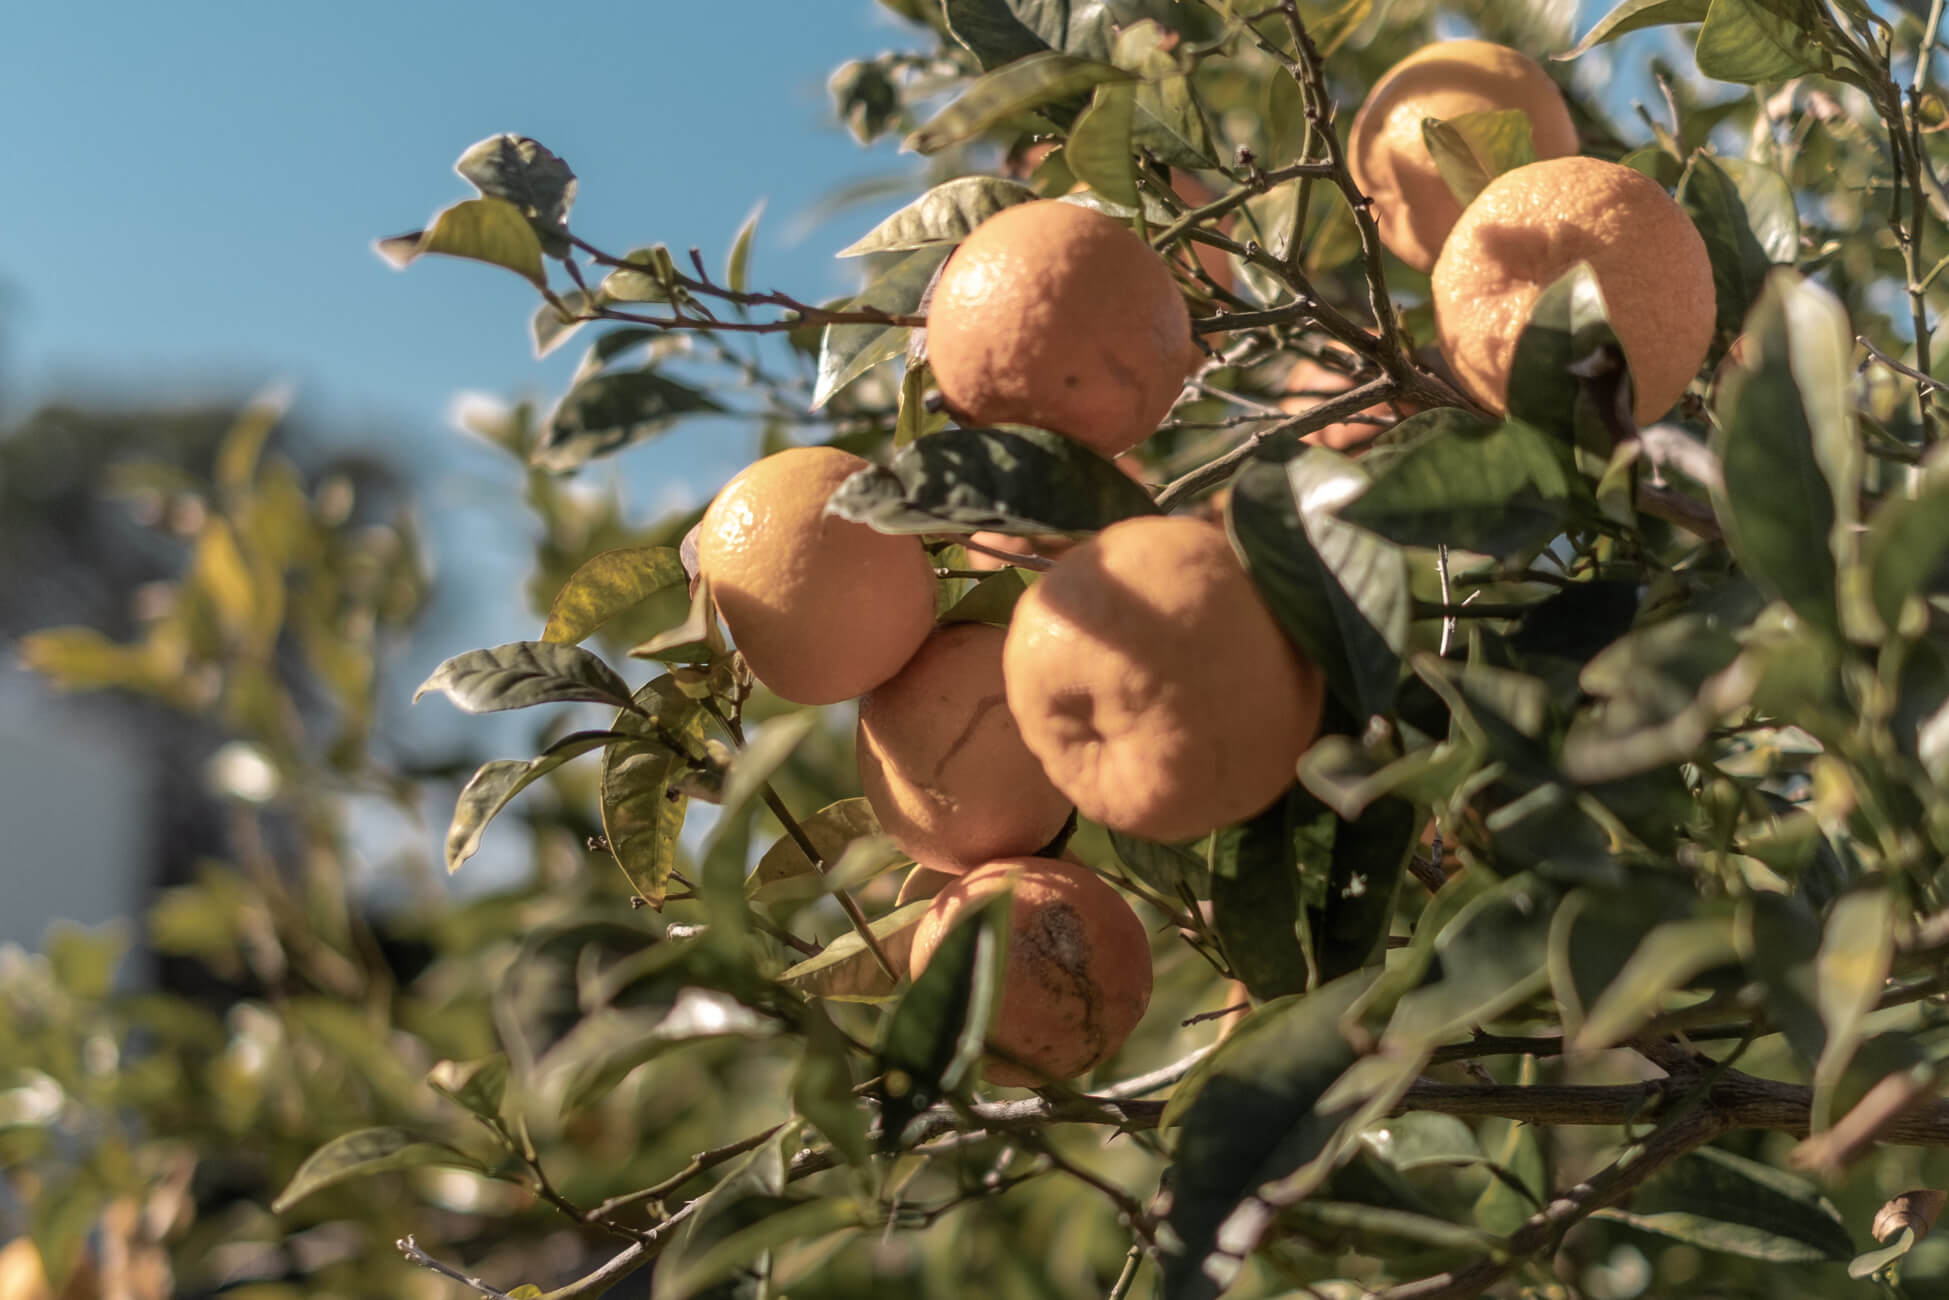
(1078, 977)
(1153, 683)
(1413, 207)
(823, 609)
(1053, 315)
(942, 763)
(1309, 383)
(1529, 226)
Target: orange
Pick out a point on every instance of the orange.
(1078, 976)
(941, 761)
(1389, 159)
(22, 1276)
(1309, 383)
(1053, 315)
(1529, 226)
(823, 609)
(1153, 683)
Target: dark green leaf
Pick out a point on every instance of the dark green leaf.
(1660, 691)
(1167, 868)
(642, 811)
(367, 1151)
(1788, 447)
(1472, 484)
(1247, 1116)
(1472, 149)
(1014, 480)
(1255, 902)
(1569, 327)
(609, 584)
(1657, 162)
(525, 673)
(1517, 1150)
(694, 1272)
(1752, 41)
(1719, 1201)
(522, 171)
(1098, 150)
(1668, 958)
(946, 214)
(1340, 592)
(497, 782)
(1633, 15)
(1027, 83)
(848, 351)
(1423, 1139)
(1364, 873)
(484, 230)
(822, 1088)
(1489, 958)
(1906, 543)
(935, 1034)
(990, 29)
(609, 411)
(999, 31)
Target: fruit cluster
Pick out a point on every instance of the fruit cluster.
(1141, 682)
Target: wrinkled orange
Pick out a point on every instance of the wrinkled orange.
(1528, 227)
(1078, 976)
(942, 763)
(823, 609)
(1388, 156)
(1153, 683)
(1053, 315)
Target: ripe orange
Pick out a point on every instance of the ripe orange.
(1309, 383)
(1053, 315)
(1153, 683)
(823, 609)
(1413, 206)
(1529, 226)
(1078, 976)
(941, 761)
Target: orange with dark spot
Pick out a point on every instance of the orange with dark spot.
(1078, 977)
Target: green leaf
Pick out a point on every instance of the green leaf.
(612, 410)
(1170, 869)
(642, 810)
(1169, 123)
(935, 1034)
(1660, 691)
(526, 174)
(1719, 1201)
(991, 600)
(1740, 261)
(1013, 480)
(84, 960)
(1751, 41)
(367, 1151)
(1569, 327)
(845, 971)
(609, 1043)
(1906, 543)
(1423, 1139)
(1788, 447)
(737, 264)
(1517, 1151)
(1470, 483)
(1340, 592)
(831, 830)
(699, 639)
(1255, 903)
(521, 674)
(998, 31)
(848, 351)
(991, 31)
(494, 786)
(695, 1273)
(1856, 949)
(822, 1088)
(1489, 958)
(1248, 1115)
(1472, 149)
(484, 230)
(1363, 876)
(1027, 83)
(1098, 150)
(479, 1086)
(1667, 959)
(1873, 1261)
(1635, 15)
(609, 584)
(946, 214)
(656, 281)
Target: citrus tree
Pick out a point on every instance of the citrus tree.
(1398, 623)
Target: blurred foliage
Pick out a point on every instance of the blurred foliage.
(1668, 703)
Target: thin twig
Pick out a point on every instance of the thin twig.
(414, 1255)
